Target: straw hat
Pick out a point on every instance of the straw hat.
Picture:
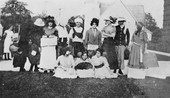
(121, 19)
(39, 22)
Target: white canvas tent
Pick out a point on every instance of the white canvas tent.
(118, 9)
(91, 10)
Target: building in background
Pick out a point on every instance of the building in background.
(166, 18)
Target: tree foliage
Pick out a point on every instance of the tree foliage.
(152, 26)
(14, 12)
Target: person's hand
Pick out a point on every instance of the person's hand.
(146, 51)
(39, 49)
(20, 52)
(55, 67)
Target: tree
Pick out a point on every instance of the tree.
(14, 13)
(152, 26)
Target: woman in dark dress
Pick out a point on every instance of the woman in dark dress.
(19, 54)
(108, 33)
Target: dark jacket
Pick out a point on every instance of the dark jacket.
(122, 36)
(34, 59)
(19, 56)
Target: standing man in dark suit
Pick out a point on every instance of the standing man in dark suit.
(121, 40)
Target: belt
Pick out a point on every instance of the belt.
(108, 38)
(136, 43)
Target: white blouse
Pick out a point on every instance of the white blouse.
(99, 60)
(67, 62)
(78, 30)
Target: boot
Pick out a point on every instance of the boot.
(22, 69)
(120, 72)
(8, 56)
(36, 68)
(31, 67)
(5, 56)
(114, 70)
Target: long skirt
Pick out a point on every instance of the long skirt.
(65, 73)
(103, 72)
(134, 57)
(109, 47)
(77, 47)
(62, 43)
(48, 57)
(19, 60)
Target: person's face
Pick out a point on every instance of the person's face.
(94, 25)
(78, 24)
(104, 54)
(67, 53)
(50, 24)
(98, 54)
(79, 54)
(139, 27)
(107, 22)
(84, 56)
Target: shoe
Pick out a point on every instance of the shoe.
(51, 71)
(45, 71)
(36, 69)
(120, 72)
(9, 58)
(30, 71)
(22, 70)
(114, 70)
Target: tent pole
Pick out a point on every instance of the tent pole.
(129, 11)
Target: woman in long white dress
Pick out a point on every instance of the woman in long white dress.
(7, 42)
(65, 65)
(101, 65)
(48, 47)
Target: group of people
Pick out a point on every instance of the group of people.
(71, 52)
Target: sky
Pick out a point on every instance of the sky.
(155, 7)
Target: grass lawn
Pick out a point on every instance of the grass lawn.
(162, 57)
(40, 85)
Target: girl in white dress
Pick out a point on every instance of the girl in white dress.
(65, 65)
(101, 65)
(7, 42)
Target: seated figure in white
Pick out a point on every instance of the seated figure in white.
(101, 66)
(65, 65)
(84, 67)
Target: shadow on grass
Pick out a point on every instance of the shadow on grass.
(40, 85)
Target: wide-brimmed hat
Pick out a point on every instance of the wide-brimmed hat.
(111, 19)
(78, 19)
(121, 19)
(140, 24)
(39, 22)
